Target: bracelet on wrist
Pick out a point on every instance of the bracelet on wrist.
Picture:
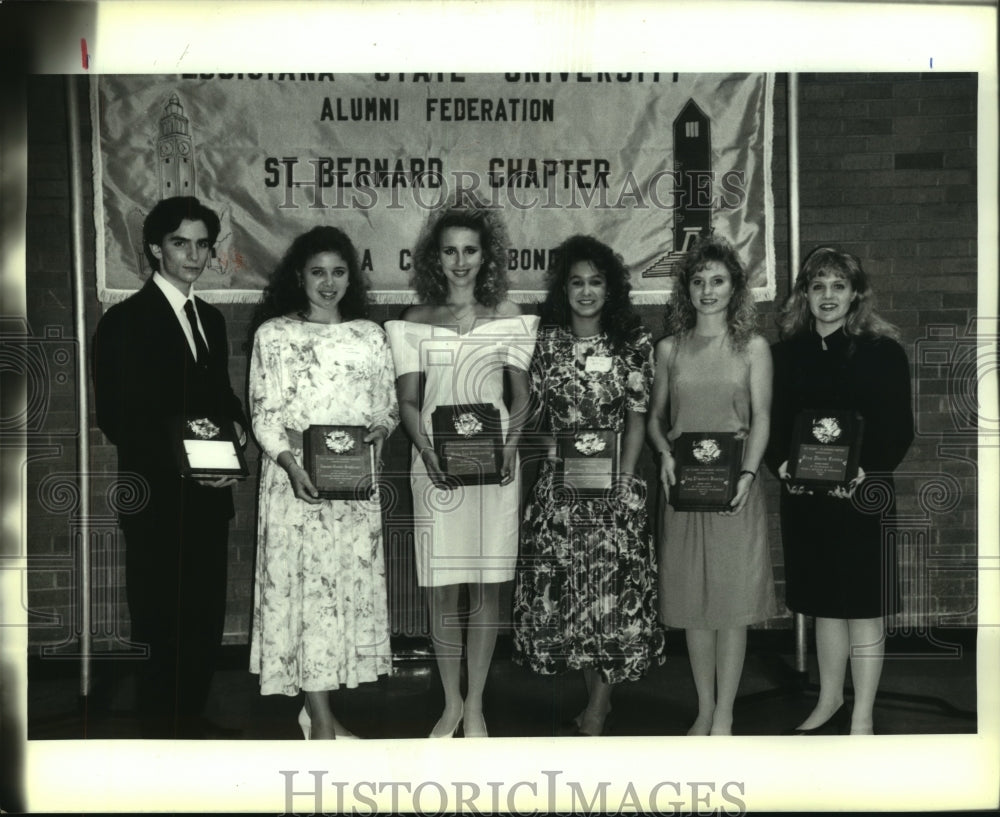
(753, 474)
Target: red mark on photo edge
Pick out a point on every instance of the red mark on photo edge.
(84, 56)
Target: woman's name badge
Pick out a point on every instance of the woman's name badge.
(598, 363)
(351, 353)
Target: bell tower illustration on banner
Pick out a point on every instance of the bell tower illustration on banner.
(174, 156)
(175, 152)
(692, 143)
(692, 159)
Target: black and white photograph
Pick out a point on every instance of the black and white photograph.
(578, 407)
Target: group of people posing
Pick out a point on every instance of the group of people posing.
(596, 585)
(592, 590)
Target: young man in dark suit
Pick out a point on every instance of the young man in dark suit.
(160, 355)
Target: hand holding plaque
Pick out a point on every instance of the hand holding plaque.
(468, 441)
(588, 462)
(340, 464)
(706, 469)
(826, 447)
(207, 448)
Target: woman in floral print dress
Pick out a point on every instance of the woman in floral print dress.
(320, 616)
(586, 589)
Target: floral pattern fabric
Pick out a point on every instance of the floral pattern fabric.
(586, 587)
(320, 616)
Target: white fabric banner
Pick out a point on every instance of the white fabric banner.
(642, 161)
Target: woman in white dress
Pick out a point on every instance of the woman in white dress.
(459, 341)
(320, 616)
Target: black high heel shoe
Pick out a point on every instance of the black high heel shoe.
(836, 724)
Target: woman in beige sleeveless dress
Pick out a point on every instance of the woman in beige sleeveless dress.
(713, 373)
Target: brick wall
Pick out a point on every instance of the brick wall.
(887, 167)
(888, 172)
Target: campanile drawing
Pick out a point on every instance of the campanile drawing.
(693, 164)
(175, 152)
(174, 156)
(692, 149)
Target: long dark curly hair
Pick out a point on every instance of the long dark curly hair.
(741, 314)
(862, 319)
(428, 279)
(619, 320)
(284, 293)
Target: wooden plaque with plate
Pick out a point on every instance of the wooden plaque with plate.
(207, 448)
(826, 447)
(588, 462)
(706, 466)
(468, 441)
(339, 462)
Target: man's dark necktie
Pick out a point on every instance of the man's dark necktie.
(201, 350)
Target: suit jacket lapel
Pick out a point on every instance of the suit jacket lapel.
(163, 313)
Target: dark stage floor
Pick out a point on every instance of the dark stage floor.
(926, 688)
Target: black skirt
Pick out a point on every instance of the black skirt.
(840, 554)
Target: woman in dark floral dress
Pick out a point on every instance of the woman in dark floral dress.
(586, 590)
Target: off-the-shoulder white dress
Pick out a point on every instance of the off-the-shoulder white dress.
(468, 534)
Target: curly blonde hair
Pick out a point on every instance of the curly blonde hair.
(741, 314)
(428, 280)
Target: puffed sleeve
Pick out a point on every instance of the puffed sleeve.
(541, 360)
(521, 347)
(404, 341)
(267, 402)
(779, 442)
(888, 410)
(639, 372)
(382, 394)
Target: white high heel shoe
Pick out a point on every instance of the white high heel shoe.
(475, 727)
(454, 729)
(305, 724)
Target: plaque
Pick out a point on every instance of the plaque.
(706, 467)
(826, 447)
(588, 462)
(468, 441)
(339, 462)
(208, 448)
